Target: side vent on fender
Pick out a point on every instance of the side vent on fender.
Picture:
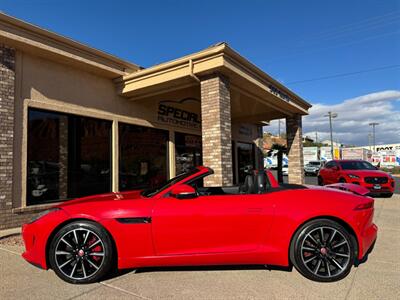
(135, 220)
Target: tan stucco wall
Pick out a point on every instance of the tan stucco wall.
(46, 84)
(49, 85)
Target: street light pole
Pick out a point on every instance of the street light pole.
(331, 116)
(373, 124)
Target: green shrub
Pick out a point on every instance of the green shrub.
(394, 170)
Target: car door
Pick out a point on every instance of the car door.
(325, 173)
(335, 173)
(207, 224)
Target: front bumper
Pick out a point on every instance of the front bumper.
(36, 235)
(375, 189)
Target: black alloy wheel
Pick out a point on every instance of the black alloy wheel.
(323, 250)
(81, 252)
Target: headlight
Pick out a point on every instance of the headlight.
(43, 213)
(354, 176)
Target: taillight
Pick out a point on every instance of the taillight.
(364, 205)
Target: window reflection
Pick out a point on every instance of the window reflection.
(68, 156)
(142, 157)
(187, 151)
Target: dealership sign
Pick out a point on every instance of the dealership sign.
(174, 113)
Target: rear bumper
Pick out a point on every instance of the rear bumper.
(367, 240)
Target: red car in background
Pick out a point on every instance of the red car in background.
(322, 231)
(359, 172)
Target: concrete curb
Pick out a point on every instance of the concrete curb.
(9, 232)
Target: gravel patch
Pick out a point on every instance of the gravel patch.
(14, 240)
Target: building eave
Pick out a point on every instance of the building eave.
(219, 58)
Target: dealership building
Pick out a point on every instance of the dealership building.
(76, 121)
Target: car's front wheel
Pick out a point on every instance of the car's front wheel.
(320, 181)
(323, 250)
(81, 252)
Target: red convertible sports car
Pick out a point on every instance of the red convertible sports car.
(358, 172)
(322, 231)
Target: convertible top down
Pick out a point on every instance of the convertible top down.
(322, 231)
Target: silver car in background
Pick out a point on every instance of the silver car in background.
(312, 167)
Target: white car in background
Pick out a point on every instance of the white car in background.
(285, 170)
(312, 167)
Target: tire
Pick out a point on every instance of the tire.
(342, 180)
(388, 195)
(320, 181)
(323, 261)
(81, 252)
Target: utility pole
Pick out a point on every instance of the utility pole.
(331, 116)
(373, 124)
(369, 140)
(316, 137)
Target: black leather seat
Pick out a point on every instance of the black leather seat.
(248, 187)
(262, 183)
(255, 184)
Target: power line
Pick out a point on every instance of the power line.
(344, 74)
(343, 30)
(336, 45)
(364, 24)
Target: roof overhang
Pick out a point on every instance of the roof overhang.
(35, 40)
(244, 77)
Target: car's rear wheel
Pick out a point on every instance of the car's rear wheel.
(320, 181)
(342, 180)
(323, 250)
(81, 252)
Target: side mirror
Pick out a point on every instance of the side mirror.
(183, 191)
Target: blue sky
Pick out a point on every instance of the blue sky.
(290, 40)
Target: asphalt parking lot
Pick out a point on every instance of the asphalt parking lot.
(378, 278)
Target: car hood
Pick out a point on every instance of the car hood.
(367, 173)
(117, 196)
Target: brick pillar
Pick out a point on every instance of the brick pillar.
(216, 129)
(259, 148)
(295, 149)
(7, 94)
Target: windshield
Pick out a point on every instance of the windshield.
(166, 184)
(314, 163)
(356, 165)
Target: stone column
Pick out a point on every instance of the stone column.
(295, 149)
(7, 94)
(259, 148)
(216, 129)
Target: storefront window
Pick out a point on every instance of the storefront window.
(188, 151)
(142, 157)
(68, 156)
(245, 156)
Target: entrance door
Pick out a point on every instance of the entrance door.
(246, 159)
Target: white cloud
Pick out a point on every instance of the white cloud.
(354, 115)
